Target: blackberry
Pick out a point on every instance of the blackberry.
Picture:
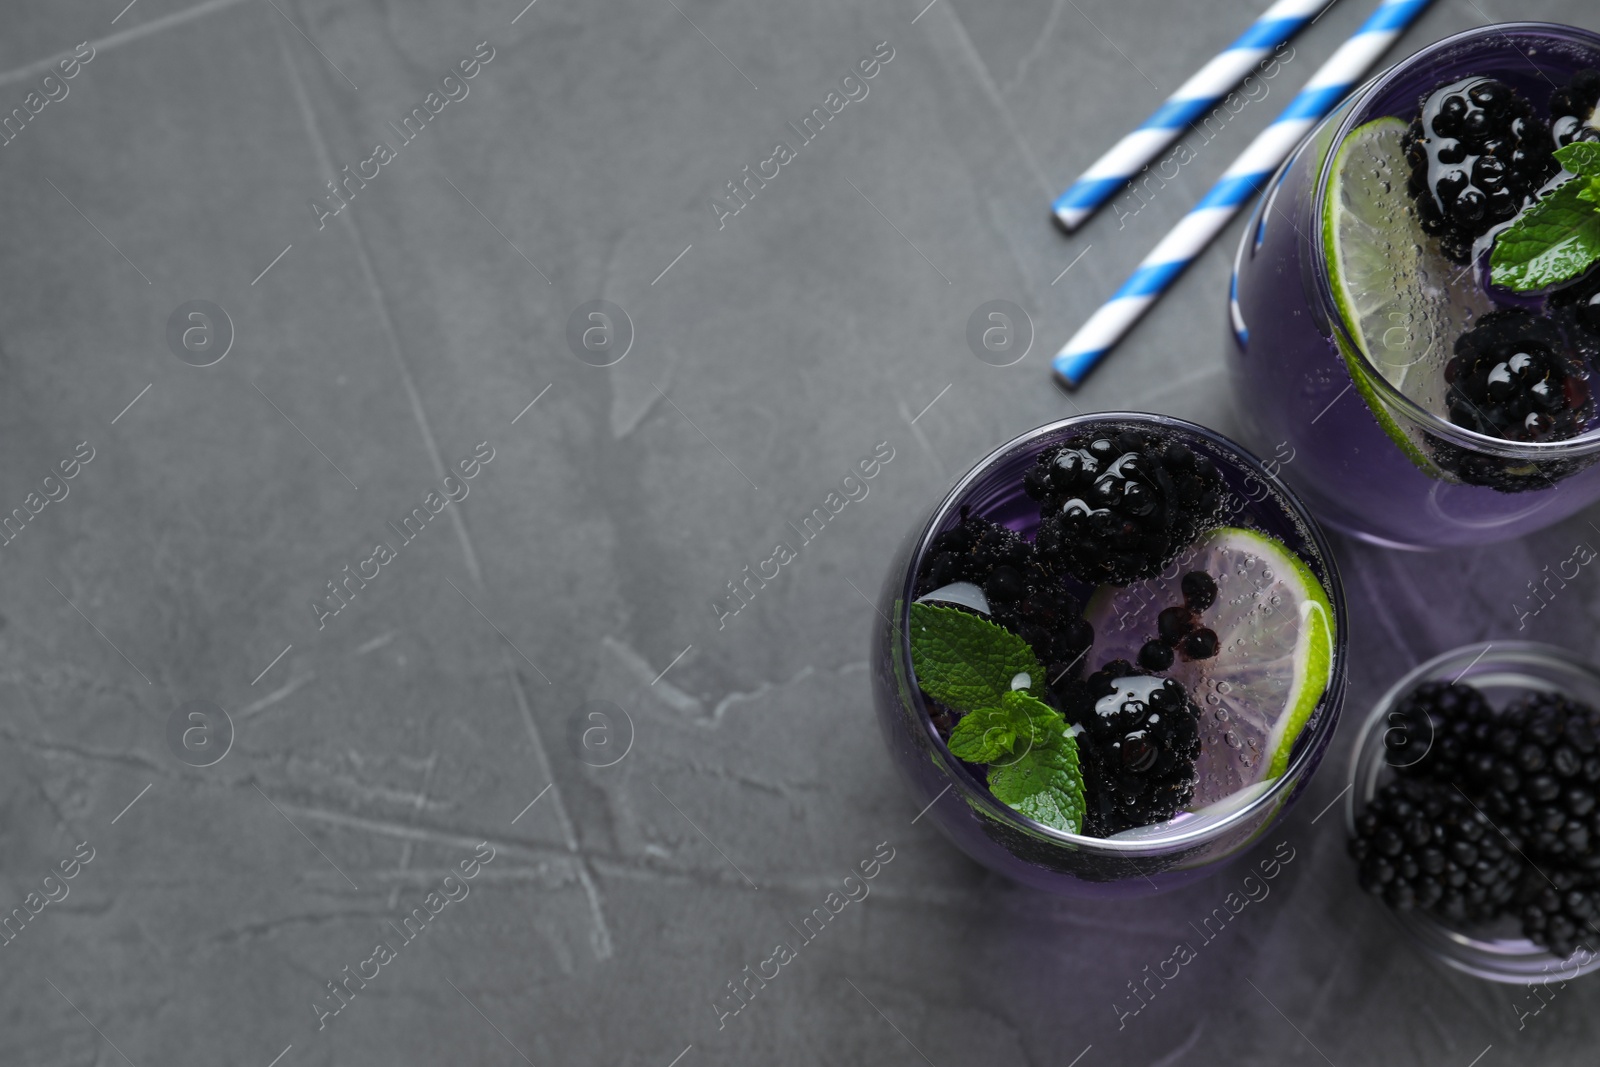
(1024, 595)
(1520, 377)
(1199, 590)
(1155, 656)
(1538, 775)
(1118, 507)
(970, 552)
(1178, 629)
(1477, 152)
(1513, 376)
(1421, 844)
(1572, 109)
(1532, 773)
(1583, 297)
(1560, 910)
(1140, 740)
(1174, 624)
(1434, 729)
(1198, 644)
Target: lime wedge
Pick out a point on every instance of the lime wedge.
(1402, 300)
(1274, 630)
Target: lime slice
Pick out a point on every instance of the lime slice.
(1402, 300)
(1274, 630)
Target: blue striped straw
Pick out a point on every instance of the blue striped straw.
(1248, 175)
(1193, 99)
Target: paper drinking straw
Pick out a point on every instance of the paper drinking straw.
(1194, 98)
(1239, 183)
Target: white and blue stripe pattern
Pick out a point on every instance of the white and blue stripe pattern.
(1192, 100)
(1249, 173)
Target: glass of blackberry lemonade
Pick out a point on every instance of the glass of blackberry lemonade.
(1414, 303)
(1111, 655)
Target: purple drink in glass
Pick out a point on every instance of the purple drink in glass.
(1348, 384)
(1237, 795)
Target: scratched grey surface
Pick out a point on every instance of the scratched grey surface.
(370, 757)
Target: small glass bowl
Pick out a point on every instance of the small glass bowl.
(1502, 671)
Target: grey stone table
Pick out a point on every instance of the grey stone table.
(540, 682)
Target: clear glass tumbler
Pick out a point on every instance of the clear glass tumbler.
(958, 802)
(1370, 460)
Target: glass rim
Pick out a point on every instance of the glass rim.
(976, 793)
(1460, 950)
(1582, 445)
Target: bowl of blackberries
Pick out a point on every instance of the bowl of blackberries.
(1474, 812)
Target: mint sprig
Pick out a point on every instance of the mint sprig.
(967, 662)
(984, 735)
(1556, 238)
(1019, 722)
(1581, 158)
(974, 666)
(1044, 784)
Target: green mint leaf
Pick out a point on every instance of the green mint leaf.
(1032, 720)
(973, 665)
(1580, 157)
(965, 661)
(1022, 720)
(1553, 240)
(1044, 784)
(1591, 190)
(985, 735)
